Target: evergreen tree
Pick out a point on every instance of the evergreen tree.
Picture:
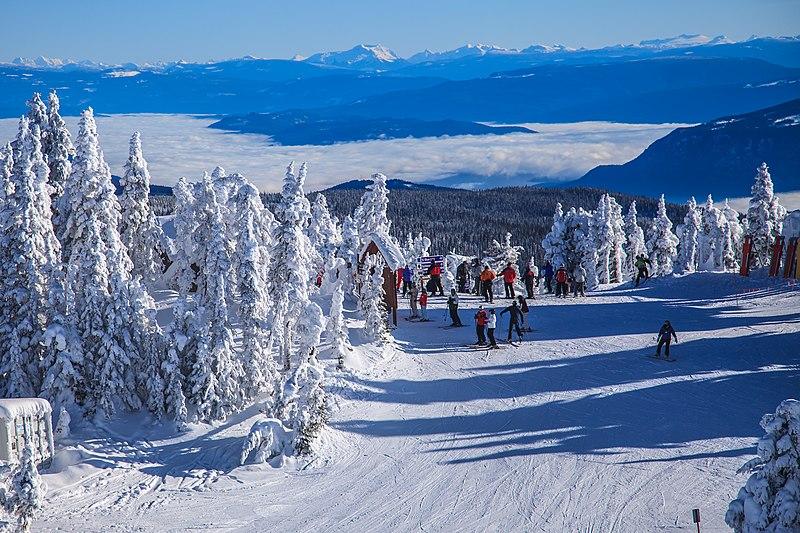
(181, 352)
(603, 233)
(338, 334)
(372, 299)
(554, 242)
(58, 150)
(289, 264)
(770, 500)
(37, 116)
(25, 497)
(764, 216)
(500, 254)
(735, 235)
(710, 241)
(323, 232)
(371, 216)
(348, 251)
(617, 255)
(662, 243)
(139, 231)
(692, 224)
(634, 243)
(184, 257)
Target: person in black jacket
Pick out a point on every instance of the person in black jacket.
(665, 335)
(514, 319)
(461, 276)
(452, 306)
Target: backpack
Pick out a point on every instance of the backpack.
(561, 276)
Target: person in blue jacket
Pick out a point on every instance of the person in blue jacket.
(548, 276)
(408, 275)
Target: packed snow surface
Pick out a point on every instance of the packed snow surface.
(574, 430)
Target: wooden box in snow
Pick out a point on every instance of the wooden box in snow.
(22, 419)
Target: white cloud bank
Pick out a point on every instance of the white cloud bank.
(183, 145)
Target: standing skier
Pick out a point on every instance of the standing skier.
(490, 327)
(461, 276)
(487, 277)
(665, 336)
(579, 276)
(530, 275)
(481, 318)
(408, 276)
(509, 276)
(561, 282)
(475, 274)
(412, 296)
(435, 272)
(452, 306)
(523, 308)
(514, 317)
(423, 305)
(548, 277)
(642, 263)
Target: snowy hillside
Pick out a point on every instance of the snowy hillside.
(575, 430)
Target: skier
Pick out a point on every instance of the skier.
(408, 276)
(481, 318)
(530, 275)
(513, 321)
(491, 324)
(548, 277)
(561, 282)
(412, 295)
(423, 305)
(461, 277)
(641, 266)
(487, 277)
(509, 276)
(523, 307)
(435, 272)
(665, 336)
(452, 306)
(580, 281)
(475, 274)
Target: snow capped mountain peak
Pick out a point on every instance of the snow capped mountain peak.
(360, 56)
(468, 50)
(683, 40)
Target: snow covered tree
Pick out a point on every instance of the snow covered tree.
(735, 236)
(139, 231)
(62, 363)
(372, 299)
(770, 500)
(338, 334)
(710, 245)
(58, 150)
(215, 373)
(348, 251)
(581, 233)
(37, 117)
(290, 263)
(304, 403)
(371, 215)
(112, 312)
(554, 243)
(500, 254)
(634, 243)
(662, 243)
(692, 224)
(183, 270)
(617, 254)
(25, 496)
(324, 233)
(260, 371)
(764, 216)
(603, 234)
(181, 351)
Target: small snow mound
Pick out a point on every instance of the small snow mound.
(267, 439)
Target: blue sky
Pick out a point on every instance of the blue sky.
(200, 30)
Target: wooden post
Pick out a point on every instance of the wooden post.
(696, 518)
(777, 252)
(747, 248)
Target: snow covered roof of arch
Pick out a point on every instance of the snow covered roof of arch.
(11, 408)
(388, 248)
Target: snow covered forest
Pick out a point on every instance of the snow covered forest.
(256, 290)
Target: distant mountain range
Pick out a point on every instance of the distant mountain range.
(718, 157)
(309, 127)
(391, 184)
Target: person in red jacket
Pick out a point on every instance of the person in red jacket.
(435, 272)
(509, 275)
(481, 318)
(423, 305)
(561, 282)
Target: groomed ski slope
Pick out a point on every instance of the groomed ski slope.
(575, 430)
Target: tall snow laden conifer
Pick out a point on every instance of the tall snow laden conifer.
(215, 373)
(58, 150)
(692, 224)
(323, 232)
(372, 213)
(770, 500)
(735, 236)
(113, 313)
(711, 245)
(139, 231)
(764, 216)
(634, 240)
(290, 263)
(662, 243)
(371, 300)
(338, 335)
(554, 242)
(23, 497)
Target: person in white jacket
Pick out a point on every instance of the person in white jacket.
(579, 275)
(490, 325)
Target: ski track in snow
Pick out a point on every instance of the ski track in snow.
(575, 430)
